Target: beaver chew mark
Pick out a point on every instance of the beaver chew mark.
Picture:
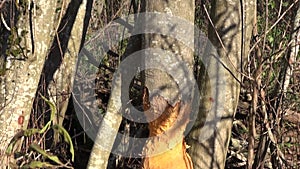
(164, 116)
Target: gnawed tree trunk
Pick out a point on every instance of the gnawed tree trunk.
(167, 76)
(172, 150)
(233, 25)
(112, 118)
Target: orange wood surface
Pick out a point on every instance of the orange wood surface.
(171, 142)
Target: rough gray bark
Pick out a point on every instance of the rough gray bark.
(230, 34)
(61, 86)
(20, 81)
(182, 50)
(62, 76)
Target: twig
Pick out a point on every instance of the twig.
(4, 23)
(2, 3)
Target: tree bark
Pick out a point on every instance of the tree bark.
(60, 66)
(166, 147)
(230, 35)
(20, 81)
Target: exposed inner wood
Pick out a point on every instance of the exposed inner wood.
(166, 134)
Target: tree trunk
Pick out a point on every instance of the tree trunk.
(230, 35)
(59, 69)
(168, 72)
(20, 82)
